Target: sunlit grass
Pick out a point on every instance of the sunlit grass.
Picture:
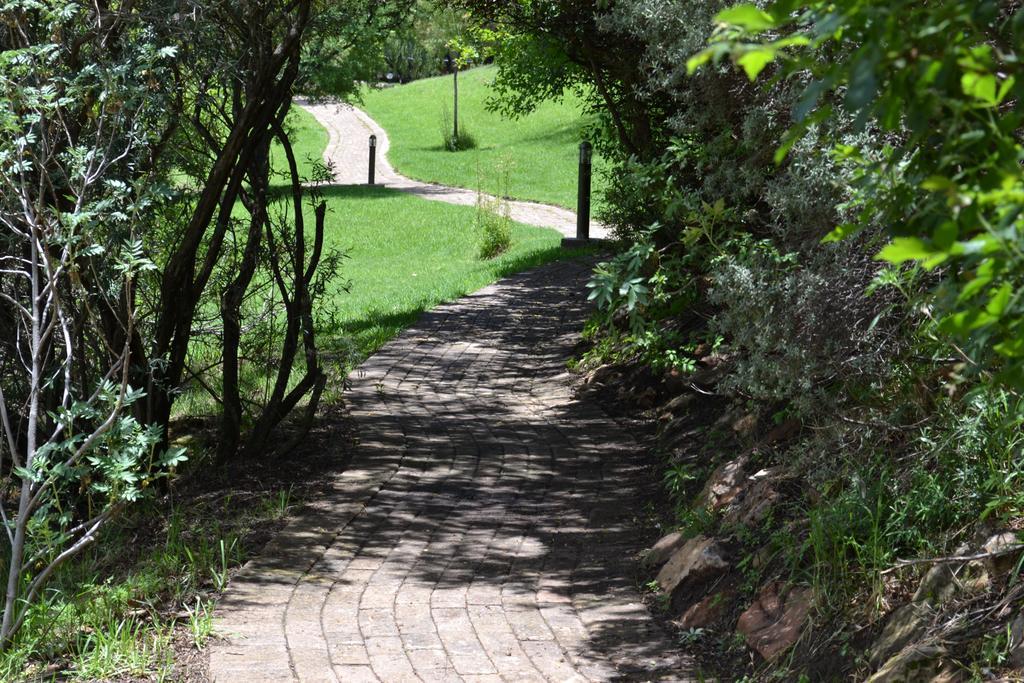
(542, 147)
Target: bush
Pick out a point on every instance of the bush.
(494, 223)
(465, 140)
(801, 326)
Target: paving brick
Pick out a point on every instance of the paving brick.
(482, 531)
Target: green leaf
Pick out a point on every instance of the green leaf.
(938, 183)
(906, 249)
(755, 61)
(173, 457)
(841, 233)
(747, 17)
(945, 235)
(935, 261)
(1013, 348)
(698, 60)
(1005, 88)
(983, 276)
(959, 324)
(1000, 299)
(979, 86)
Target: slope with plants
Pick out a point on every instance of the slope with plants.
(820, 298)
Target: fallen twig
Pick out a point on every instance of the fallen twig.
(955, 558)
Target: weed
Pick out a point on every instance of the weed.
(691, 636)
(277, 506)
(200, 622)
(220, 573)
(123, 647)
(494, 224)
(449, 140)
(677, 478)
(494, 217)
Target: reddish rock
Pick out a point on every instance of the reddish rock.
(774, 622)
(695, 560)
(605, 374)
(646, 399)
(746, 426)
(782, 431)
(1006, 548)
(758, 497)
(706, 612)
(714, 359)
(680, 406)
(724, 484)
(663, 549)
(714, 368)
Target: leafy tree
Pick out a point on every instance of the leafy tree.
(82, 115)
(543, 48)
(942, 83)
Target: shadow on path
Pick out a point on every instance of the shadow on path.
(484, 530)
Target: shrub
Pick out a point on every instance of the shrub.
(494, 224)
(802, 326)
(449, 141)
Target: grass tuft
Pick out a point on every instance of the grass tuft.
(449, 140)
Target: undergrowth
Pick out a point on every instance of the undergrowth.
(148, 584)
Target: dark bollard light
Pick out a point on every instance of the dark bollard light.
(583, 200)
(583, 197)
(373, 156)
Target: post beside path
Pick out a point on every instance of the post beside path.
(582, 237)
(373, 158)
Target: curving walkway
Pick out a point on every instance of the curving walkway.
(483, 531)
(349, 130)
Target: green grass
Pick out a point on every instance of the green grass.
(403, 256)
(112, 612)
(542, 148)
(309, 140)
(406, 255)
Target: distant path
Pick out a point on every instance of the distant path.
(484, 531)
(348, 149)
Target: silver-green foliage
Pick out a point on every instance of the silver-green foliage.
(73, 198)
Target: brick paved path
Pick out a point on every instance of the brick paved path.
(482, 532)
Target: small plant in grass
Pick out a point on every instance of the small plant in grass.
(451, 141)
(124, 647)
(691, 636)
(200, 622)
(277, 506)
(494, 223)
(494, 214)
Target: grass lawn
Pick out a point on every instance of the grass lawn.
(309, 140)
(404, 256)
(541, 149)
(407, 254)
